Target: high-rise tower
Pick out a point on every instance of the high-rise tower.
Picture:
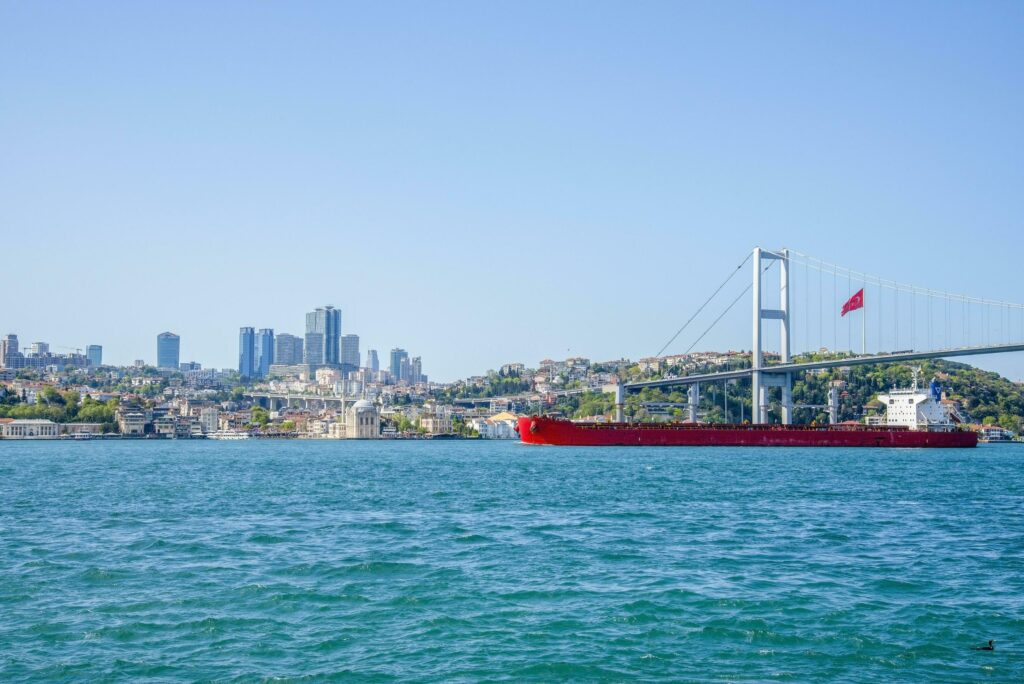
(264, 351)
(323, 335)
(247, 352)
(287, 349)
(399, 362)
(94, 353)
(168, 351)
(349, 354)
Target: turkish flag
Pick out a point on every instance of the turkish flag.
(853, 303)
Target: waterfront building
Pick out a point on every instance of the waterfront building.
(436, 424)
(209, 418)
(349, 354)
(264, 351)
(165, 426)
(398, 357)
(94, 353)
(287, 350)
(372, 362)
(247, 352)
(168, 350)
(323, 334)
(499, 426)
(29, 429)
(83, 429)
(131, 421)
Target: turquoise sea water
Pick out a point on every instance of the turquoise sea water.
(460, 561)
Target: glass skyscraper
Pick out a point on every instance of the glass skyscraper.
(264, 351)
(94, 353)
(372, 362)
(247, 352)
(323, 336)
(287, 349)
(399, 359)
(349, 354)
(168, 350)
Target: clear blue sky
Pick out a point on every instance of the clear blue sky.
(491, 182)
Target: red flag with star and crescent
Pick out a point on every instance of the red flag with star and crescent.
(853, 303)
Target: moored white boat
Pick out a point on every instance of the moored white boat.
(228, 434)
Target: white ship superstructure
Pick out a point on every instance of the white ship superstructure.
(918, 409)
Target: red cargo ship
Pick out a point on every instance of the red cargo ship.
(559, 431)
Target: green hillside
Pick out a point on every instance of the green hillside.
(985, 397)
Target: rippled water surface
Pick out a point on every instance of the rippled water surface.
(493, 561)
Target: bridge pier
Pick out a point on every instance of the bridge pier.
(692, 401)
(787, 399)
(756, 398)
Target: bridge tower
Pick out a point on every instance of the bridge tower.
(760, 379)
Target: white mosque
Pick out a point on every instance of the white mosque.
(362, 421)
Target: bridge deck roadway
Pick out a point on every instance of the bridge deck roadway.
(896, 357)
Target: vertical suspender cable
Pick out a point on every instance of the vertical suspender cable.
(928, 298)
(849, 321)
(835, 319)
(879, 350)
(945, 326)
(913, 317)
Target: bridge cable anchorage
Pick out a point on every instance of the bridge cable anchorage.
(701, 308)
(727, 309)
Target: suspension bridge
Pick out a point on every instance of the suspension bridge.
(877, 320)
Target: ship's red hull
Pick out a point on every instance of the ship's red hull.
(556, 431)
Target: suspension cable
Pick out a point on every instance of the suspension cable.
(706, 302)
(727, 309)
(819, 264)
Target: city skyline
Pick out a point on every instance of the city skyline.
(565, 197)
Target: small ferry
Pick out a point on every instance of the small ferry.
(228, 434)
